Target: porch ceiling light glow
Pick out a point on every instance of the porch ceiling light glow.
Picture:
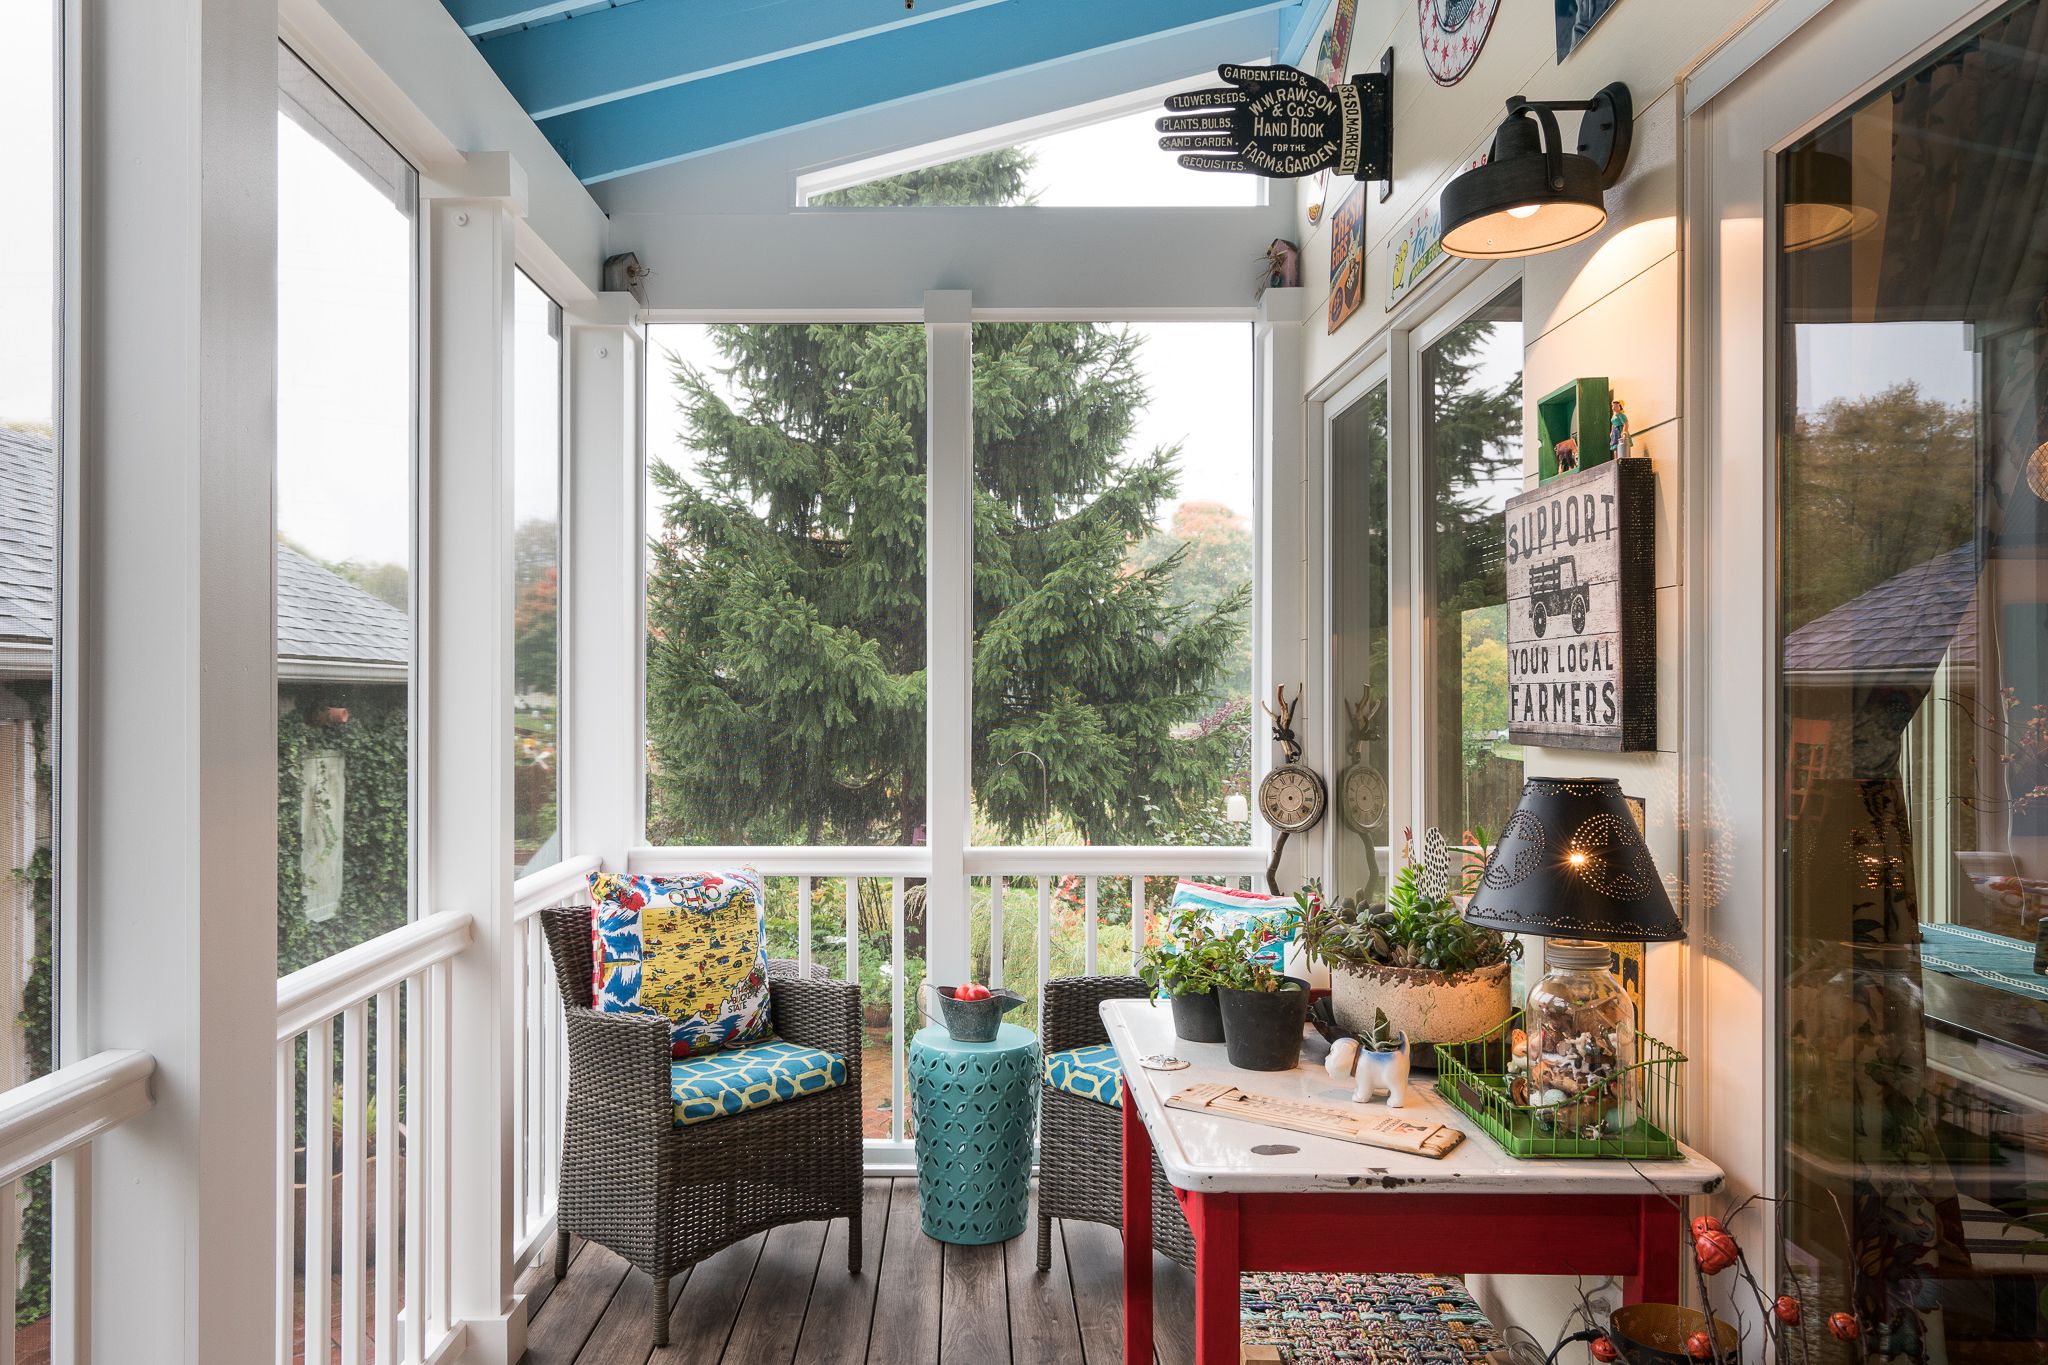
(1820, 202)
(1532, 196)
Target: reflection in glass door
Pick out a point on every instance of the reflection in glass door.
(1359, 642)
(1913, 439)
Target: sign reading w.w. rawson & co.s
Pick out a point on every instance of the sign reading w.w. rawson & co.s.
(1582, 610)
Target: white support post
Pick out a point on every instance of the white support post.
(167, 672)
(1287, 650)
(465, 663)
(601, 555)
(949, 626)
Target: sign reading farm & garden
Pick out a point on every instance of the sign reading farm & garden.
(1582, 610)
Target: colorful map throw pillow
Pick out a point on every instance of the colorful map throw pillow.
(1227, 909)
(694, 948)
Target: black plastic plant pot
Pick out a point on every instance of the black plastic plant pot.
(1262, 1029)
(1198, 1018)
(1655, 1333)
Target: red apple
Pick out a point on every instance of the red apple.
(971, 991)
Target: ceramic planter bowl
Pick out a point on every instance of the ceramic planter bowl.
(1430, 1007)
(1262, 1029)
(1198, 1018)
(1655, 1333)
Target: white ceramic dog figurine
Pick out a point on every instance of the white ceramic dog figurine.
(1376, 1071)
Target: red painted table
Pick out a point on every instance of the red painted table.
(1317, 1204)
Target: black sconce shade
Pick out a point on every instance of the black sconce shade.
(1572, 864)
(1820, 201)
(1531, 195)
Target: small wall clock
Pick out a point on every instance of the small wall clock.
(1292, 797)
(1453, 32)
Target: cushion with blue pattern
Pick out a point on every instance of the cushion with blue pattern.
(1092, 1073)
(750, 1076)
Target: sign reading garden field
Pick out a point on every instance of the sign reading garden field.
(1582, 610)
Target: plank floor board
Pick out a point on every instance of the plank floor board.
(784, 1298)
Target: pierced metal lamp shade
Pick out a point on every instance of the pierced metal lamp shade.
(1572, 864)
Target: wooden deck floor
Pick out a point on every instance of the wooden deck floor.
(784, 1298)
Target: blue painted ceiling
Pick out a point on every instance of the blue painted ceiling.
(625, 85)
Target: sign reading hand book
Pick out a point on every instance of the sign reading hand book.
(1379, 1128)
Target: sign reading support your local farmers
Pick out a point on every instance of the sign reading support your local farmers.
(1582, 610)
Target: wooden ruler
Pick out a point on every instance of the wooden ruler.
(1381, 1128)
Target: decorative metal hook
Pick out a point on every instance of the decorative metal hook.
(1044, 782)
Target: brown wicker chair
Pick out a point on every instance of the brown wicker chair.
(1080, 1141)
(664, 1198)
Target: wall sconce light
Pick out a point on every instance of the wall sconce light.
(1532, 195)
(1820, 202)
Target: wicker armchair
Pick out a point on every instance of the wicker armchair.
(1080, 1141)
(664, 1197)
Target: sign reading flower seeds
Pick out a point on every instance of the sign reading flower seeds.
(1582, 610)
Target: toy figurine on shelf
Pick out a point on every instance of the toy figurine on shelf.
(1567, 455)
(1618, 439)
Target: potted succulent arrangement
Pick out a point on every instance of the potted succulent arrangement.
(1185, 966)
(1263, 1011)
(1436, 977)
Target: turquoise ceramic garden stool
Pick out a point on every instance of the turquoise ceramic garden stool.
(976, 1108)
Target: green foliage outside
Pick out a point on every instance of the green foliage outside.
(36, 1022)
(997, 177)
(1884, 482)
(375, 845)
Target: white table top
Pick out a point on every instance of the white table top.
(1213, 1152)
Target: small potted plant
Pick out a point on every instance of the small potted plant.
(1263, 1011)
(1185, 965)
(1415, 958)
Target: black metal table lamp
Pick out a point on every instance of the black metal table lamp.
(1572, 864)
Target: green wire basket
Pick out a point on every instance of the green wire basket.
(1473, 1077)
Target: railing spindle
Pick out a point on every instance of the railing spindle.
(287, 1178)
(853, 930)
(896, 969)
(1139, 918)
(416, 1138)
(1089, 923)
(319, 1188)
(999, 888)
(1044, 930)
(803, 926)
(10, 1252)
(440, 1067)
(383, 1334)
(522, 1057)
(355, 1104)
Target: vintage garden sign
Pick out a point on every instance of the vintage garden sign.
(1582, 610)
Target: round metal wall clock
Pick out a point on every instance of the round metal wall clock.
(1453, 32)
(1292, 797)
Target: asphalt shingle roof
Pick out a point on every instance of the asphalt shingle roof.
(320, 616)
(1908, 623)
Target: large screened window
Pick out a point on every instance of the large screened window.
(1471, 441)
(1913, 706)
(29, 465)
(345, 367)
(536, 575)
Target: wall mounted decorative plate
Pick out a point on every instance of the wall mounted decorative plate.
(1453, 32)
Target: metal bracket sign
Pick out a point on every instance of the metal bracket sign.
(1285, 124)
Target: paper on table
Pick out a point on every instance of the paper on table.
(1345, 1124)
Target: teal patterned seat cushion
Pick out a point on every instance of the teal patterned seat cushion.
(1089, 1072)
(750, 1077)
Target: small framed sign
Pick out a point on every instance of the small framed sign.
(1582, 610)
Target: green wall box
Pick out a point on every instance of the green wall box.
(1577, 412)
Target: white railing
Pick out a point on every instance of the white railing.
(376, 1230)
(540, 1060)
(51, 1121)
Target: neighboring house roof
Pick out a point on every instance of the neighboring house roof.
(327, 627)
(1908, 624)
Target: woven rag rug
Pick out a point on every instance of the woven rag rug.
(1319, 1319)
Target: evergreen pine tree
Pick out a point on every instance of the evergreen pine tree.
(786, 590)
